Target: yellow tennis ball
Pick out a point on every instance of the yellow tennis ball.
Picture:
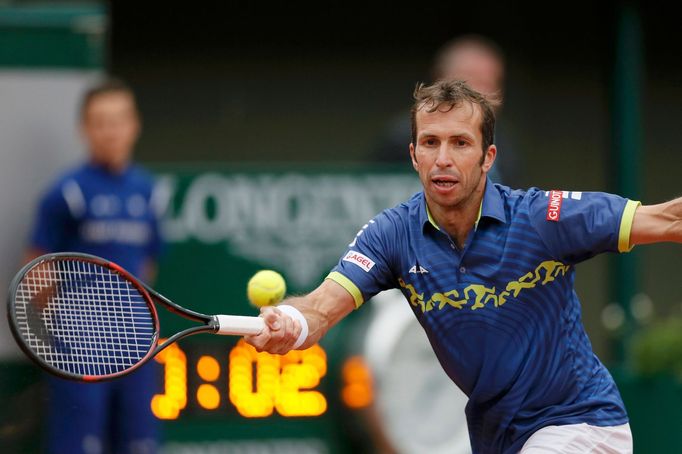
(266, 288)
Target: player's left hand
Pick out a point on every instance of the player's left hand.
(279, 335)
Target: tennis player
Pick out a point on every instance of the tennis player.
(489, 272)
(103, 207)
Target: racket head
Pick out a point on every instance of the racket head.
(82, 317)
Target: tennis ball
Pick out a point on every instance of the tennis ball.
(266, 288)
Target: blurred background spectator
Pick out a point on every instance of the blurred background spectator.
(481, 63)
(103, 207)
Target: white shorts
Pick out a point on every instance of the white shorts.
(580, 439)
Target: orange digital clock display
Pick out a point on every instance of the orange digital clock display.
(257, 384)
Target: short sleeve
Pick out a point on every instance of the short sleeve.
(364, 269)
(53, 222)
(575, 225)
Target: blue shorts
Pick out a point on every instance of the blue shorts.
(112, 417)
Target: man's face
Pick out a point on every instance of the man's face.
(448, 155)
(111, 126)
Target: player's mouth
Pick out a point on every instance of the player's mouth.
(444, 183)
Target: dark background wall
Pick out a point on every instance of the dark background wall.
(319, 79)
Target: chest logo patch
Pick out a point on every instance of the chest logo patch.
(418, 269)
(360, 260)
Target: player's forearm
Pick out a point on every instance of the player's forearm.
(658, 223)
(672, 212)
(300, 322)
(318, 322)
(322, 309)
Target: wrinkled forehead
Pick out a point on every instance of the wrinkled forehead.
(461, 112)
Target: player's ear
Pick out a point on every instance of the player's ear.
(488, 158)
(413, 156)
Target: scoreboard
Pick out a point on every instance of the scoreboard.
(255, 399)
(256, 385)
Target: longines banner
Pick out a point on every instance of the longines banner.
(230, 224)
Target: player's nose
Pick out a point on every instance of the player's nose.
(443, 158)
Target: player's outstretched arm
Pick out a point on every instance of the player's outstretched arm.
(322, 308)
(657, 223)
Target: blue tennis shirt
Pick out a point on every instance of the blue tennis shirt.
(502, 314)
(111, 215)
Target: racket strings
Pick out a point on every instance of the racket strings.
(83, 318)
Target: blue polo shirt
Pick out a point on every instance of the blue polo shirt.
(92, 210)
(502, 314)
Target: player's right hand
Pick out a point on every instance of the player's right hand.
(279, 335)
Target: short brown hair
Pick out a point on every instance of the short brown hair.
(451, 94)
(109, 85)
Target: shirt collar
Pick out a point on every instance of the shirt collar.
(492, 206)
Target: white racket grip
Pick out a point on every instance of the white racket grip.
(239, 325)
(295, 314)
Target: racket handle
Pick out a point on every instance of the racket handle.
(239, 325)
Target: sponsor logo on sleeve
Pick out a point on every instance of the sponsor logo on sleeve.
(554, 205)
(360, 260)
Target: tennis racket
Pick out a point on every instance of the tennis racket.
(81, 317)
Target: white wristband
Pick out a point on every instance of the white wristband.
(294, 313)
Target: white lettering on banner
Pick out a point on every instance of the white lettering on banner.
(296, 222)
(360, 260)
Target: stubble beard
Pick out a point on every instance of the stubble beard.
(468, 195)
